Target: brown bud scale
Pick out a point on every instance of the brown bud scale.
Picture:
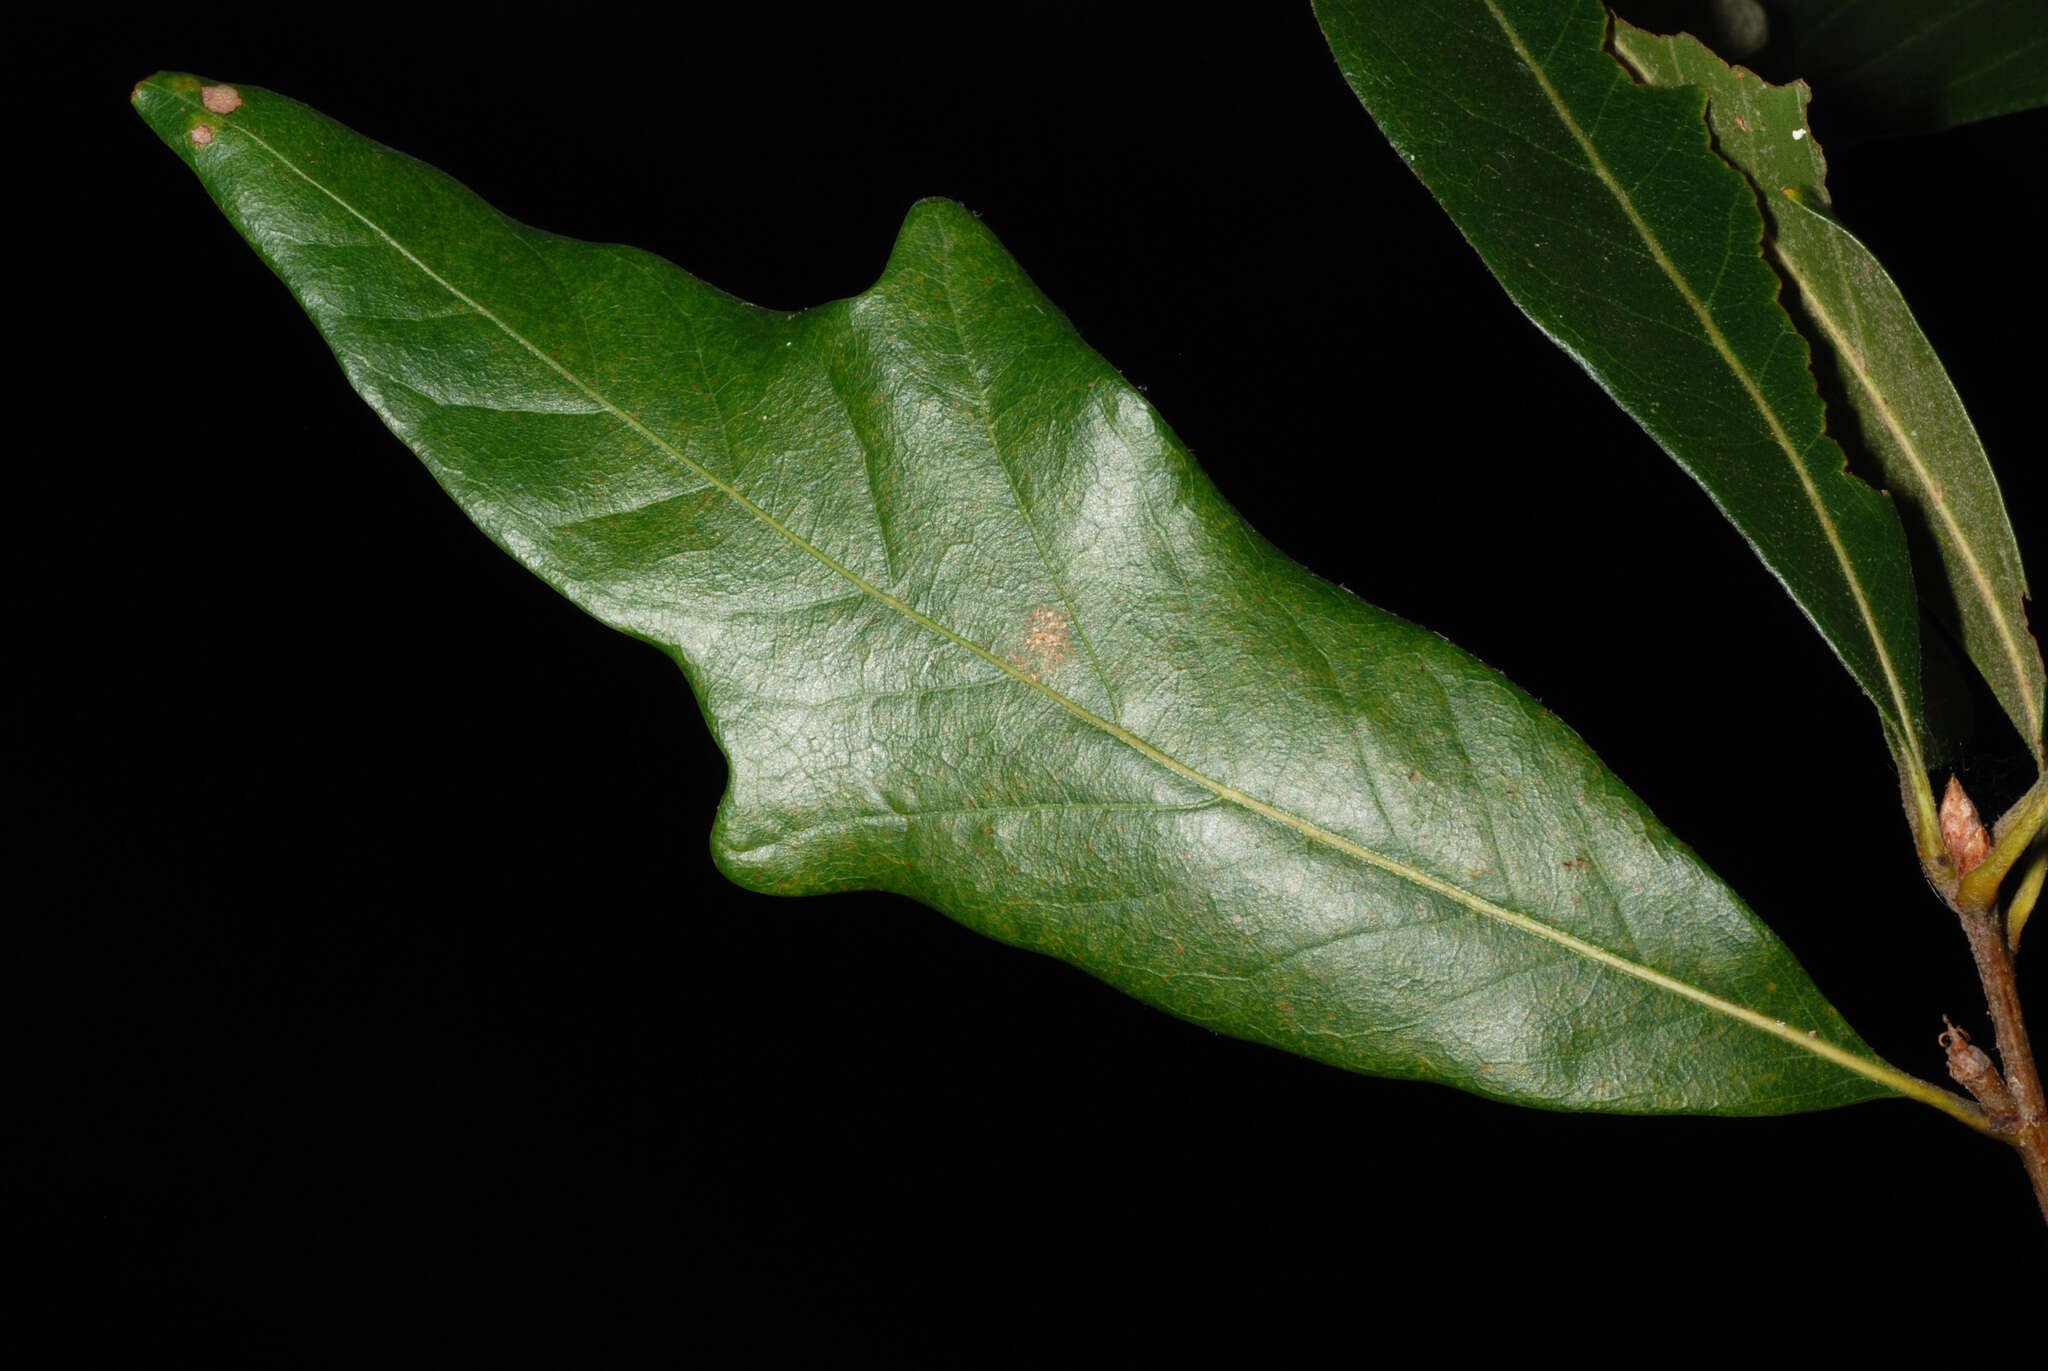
(1962, 832)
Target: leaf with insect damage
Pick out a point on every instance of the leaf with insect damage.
(1604, 210)
(1897, 411)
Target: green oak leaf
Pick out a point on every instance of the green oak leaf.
(1603, 209)
(970, 625)
(1907, 418)
(1880, 66)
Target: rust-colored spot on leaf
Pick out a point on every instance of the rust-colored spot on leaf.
(201, 135)
(1048, 641)
(1962, 832)
(220, 99)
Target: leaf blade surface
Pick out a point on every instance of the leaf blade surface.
(971, 626)
(1603, 210)
(1909, 423)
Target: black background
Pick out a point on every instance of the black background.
(374, 991)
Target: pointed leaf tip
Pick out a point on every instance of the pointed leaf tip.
(952, 597)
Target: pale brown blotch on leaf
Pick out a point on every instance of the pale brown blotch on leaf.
(1048, 641)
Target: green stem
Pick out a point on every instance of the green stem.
(2016, 833)
(2022, 903)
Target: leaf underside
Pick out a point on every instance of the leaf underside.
(1903, 417)
(1602, 208)
(970, 625)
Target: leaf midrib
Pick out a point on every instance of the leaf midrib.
(985, 411)
(1980, 579)
(1908, 738)
(1880, 1072)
